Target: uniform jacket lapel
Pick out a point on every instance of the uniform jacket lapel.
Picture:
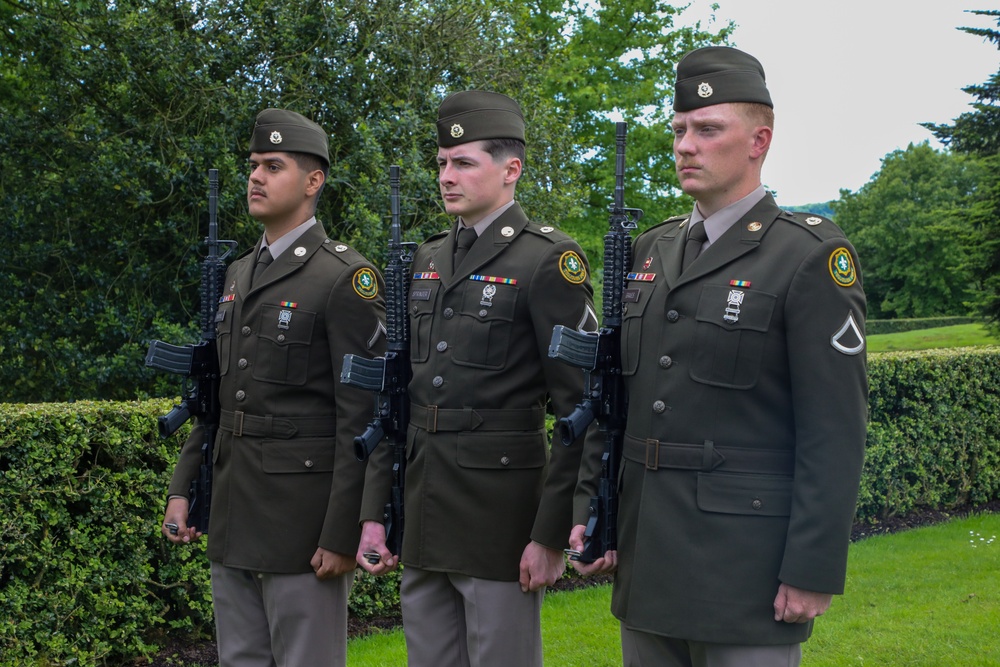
(290, 261)
(485, 249)
(743, 237)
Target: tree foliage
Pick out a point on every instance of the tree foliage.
(111, 115)
(917, 248)
(977, 134)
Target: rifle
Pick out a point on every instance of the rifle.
(199, 364)
(599, 355)
(389, 376)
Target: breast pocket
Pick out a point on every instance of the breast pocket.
(283, 343)
(732, 328)
(486, 322)
(423, 300)
(636, 299)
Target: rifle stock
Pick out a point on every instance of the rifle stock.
(389, 376)
(198, 364)
(599, 355)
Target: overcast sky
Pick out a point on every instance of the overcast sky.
(852, 79)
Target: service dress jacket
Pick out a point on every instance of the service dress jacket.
(286, 479)
(481, 480)
(747, 389)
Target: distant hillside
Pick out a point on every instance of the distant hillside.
(823, 209)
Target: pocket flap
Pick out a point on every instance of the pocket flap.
(488, 450)
(762, 495)
(305, 455)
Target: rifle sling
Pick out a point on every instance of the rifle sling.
(707, 457)
(268, 426)
(432, 419)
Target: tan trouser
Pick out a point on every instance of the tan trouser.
(643, 649)
(280, 620)
(451, 620)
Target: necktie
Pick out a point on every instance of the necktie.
(696, 238)
(466, 237)
(263, 260)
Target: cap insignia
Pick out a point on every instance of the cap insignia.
(276, 137)
(457, 131)
(704, 90)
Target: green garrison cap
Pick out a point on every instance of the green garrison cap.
(716, 75)
(471, 115)
(288, 132)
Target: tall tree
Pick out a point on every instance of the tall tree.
(914, 241)
(111, 115)
(976, 134)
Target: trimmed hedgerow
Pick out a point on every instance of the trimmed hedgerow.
(87, 579)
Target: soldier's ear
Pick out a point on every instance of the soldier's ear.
(314, 181)
(512, 170)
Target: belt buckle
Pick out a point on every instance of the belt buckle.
(653, 445)
(432, 418)
(238, 424)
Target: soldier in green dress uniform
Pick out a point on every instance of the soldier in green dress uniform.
(287, 486)
(488, 505)
(744, 357)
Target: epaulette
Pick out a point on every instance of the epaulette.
(547, 232)
(676, 220)
(343, 252)
(820, 227)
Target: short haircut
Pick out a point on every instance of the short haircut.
(504, 148)
(309, 163)
(756, 113)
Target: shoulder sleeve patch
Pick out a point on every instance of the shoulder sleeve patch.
(365, 283)
(572, 267)
(842, 267)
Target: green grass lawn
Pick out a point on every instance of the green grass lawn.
(928, 597)
(961, 335)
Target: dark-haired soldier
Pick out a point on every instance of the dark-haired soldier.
(488, 508)
(287, 486)
(743, 354)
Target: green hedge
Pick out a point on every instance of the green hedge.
(873, 327)
(933, 431)
(86, 578)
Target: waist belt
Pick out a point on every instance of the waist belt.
(269, 426)
(432, 419)
(705, 457)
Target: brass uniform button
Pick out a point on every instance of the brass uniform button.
(241, 395)
(666, 362)
(659, 406)
(438, 381)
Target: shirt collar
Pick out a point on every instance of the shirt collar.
(719, 222)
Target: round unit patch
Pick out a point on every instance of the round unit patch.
(365, 283)
(842, 267)
(572, 267)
